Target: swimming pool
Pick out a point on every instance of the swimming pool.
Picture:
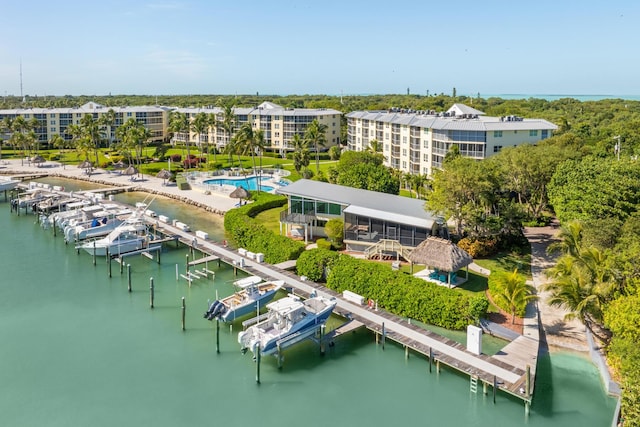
(249, 183)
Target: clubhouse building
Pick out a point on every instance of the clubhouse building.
(374, 223)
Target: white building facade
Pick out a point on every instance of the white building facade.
(279, 124)
(417, 141)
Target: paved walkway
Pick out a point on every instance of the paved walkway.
(216, 203)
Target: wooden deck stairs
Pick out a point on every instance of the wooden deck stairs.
(384, 247)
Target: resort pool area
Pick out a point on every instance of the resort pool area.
(249, 183)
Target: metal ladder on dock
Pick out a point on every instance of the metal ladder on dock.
(473, 386)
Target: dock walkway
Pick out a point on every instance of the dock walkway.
(508, 370)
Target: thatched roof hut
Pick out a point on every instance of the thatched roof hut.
(440, 254)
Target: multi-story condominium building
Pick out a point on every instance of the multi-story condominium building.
(417, 141)
(56, 120)
(279, 124)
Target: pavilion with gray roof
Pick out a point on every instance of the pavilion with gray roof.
(369, 216)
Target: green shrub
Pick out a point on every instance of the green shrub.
(315, 263)
(54, 157)
(247, 233)
(406, 295)
(323, 244)
(479, 248)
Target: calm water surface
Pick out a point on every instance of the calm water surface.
(77, 349)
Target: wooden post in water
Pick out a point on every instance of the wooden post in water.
(484, 388)
(151, 292)
(527, 390)
(322, 350)
(177, 274)
(430, 358)
(384, 333)
(257, 350)
(129, 277)
(495, 388)
(94, 252)
(437, 366)
(184, 309)
(406, 352)
(109, 262)
(187, 264)
(159, 251)
(279, 356)
(217, 335)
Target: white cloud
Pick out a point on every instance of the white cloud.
(180, 63)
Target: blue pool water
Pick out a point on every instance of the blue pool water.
(249, 183)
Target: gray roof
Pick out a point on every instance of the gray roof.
(474, 120)
(266, 109)
(394, 208)
(87, 108)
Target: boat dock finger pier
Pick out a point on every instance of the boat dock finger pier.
(512, 370)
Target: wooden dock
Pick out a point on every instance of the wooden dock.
(511, 371)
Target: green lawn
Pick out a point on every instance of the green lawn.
(271, 218)
(508, 261)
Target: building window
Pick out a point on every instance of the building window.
(425, 144)
(533, 133)
(404, 165)
(404, 151)
(276, 126)
(497, 148)
(53, 122)
(497, 134)
(277, 134)
(544, 134)
(53, 130)
(404, 139)
(425, 157)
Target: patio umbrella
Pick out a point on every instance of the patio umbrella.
(119, 165)
(130, 171)
(164, 174)
(37, 159)
(240, 193)
(85, 165)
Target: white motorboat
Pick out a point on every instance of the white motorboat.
(102, 223)
(253, 293)
(130, 236)
(8, 183)
(289, 319)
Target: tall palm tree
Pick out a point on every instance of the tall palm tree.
(108, 121)
(259, 144)
(199, 125)
(126, 137)
(300, 152)
(375, 146)
(91, 130)
(247, 139)
(316, 137)
(512, 291)
(227, 121)
(179, 123)
(418, 182)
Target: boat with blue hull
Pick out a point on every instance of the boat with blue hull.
(252, 294)
(287, 320)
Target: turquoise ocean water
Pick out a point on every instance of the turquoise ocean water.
(77, 349)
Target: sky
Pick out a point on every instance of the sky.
(282, 47)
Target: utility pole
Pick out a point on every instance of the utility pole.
(617, 148)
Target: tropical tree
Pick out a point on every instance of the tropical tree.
(133, 135)
(179, 123)
(90, 128)
(107, 121)
(375, 146)
(58, 142)
(227, 120)
(510, 291)
(300, 152)
(418, 182)
(199, 125)
(250, 141)
(316, 137)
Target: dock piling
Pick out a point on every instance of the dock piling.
(495, 388)
(430, 359)
(109, 262)
(217, 335)
(384, 333)
(257, 353)
(177, 273)
(151, 292)
(129, 277)
(94, 252)
(184, 309)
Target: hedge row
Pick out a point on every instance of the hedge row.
(396, 292)
(246, 232)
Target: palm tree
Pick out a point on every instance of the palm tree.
(199, 125)
(179, 123)
(91, 129)
(418, 182)
(374, 146)
(316, 137)
(259, 144)
(300, 152)
(125, 135)
(250, 141)
(227, 121)
(108, 120)
(570, 239)
(512, 291)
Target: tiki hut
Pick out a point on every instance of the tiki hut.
(443, 256)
